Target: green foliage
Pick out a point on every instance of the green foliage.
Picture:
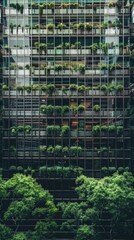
(26, 198)
(5, 232)
(81, 108)
(65, 130)
(111, 197)
(61, 26)
(19, 236)
(85, 232)
(53, 130)
(96, 108)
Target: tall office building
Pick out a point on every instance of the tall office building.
(65, 92)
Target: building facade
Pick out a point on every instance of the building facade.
(65, 90)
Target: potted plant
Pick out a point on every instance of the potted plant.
(58, 150)
(65, 151)
(58, 110)
(61, 26)
(20, 128)
(81, 108)
(96, 129)
(81, 88)
(74, 109)
(28, 129)
(43, 148)
(104, 171)
(51, 89)
(65, 130)
(112, 170)
(50, 109)
(112, 128)
(73, 87)
(5, 87)
(44, 88)
(28, 88)
(43, 171)
(65, 109)
(20, 169)
(96, 108)
(19, 88)
(94, 47)
(13, 169)
(50, 27)
(103, 87)
(13, 130)
(50, 150)
(43, 108)
(119, 130)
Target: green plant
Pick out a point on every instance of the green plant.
(81, 26)
(5, 87)
(96, 108)
(28, 129)
(50, 26)
(61, 26)
(112, 128)
(119, 87)
(20, 169)
(43, 171)
(120, 170)
(65, 109)
(81, 108)
(28, 88)
(119, 130)
(94, 47)
(67, 45)
(73, 87)
(43, 108)
(104, 171)
(88, 26)
(65, 151)
(104, 128)
(20, 128)
(96, 129)
(12, 168)
(13, 130)
(65, 130)
(44, 88)
(111, 4)
(103, 87)
(19, 88)
(112, 170)
(77, 45)
(81, 88)
(82, 68)
(104, 47)
(51, 89)
(50, 150)
(50, 109)
(75, 150)
(35, 87)
(53, 130)
(43, 148)
(58, 110)
(74, 109)
(58, 150)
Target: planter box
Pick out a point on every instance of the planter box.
(112, 31)
(114, 51)
(110, 11)
(43, 31)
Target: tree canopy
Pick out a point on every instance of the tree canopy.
(24, 201)
(105, 208)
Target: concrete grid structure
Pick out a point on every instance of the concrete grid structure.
(65, 89)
